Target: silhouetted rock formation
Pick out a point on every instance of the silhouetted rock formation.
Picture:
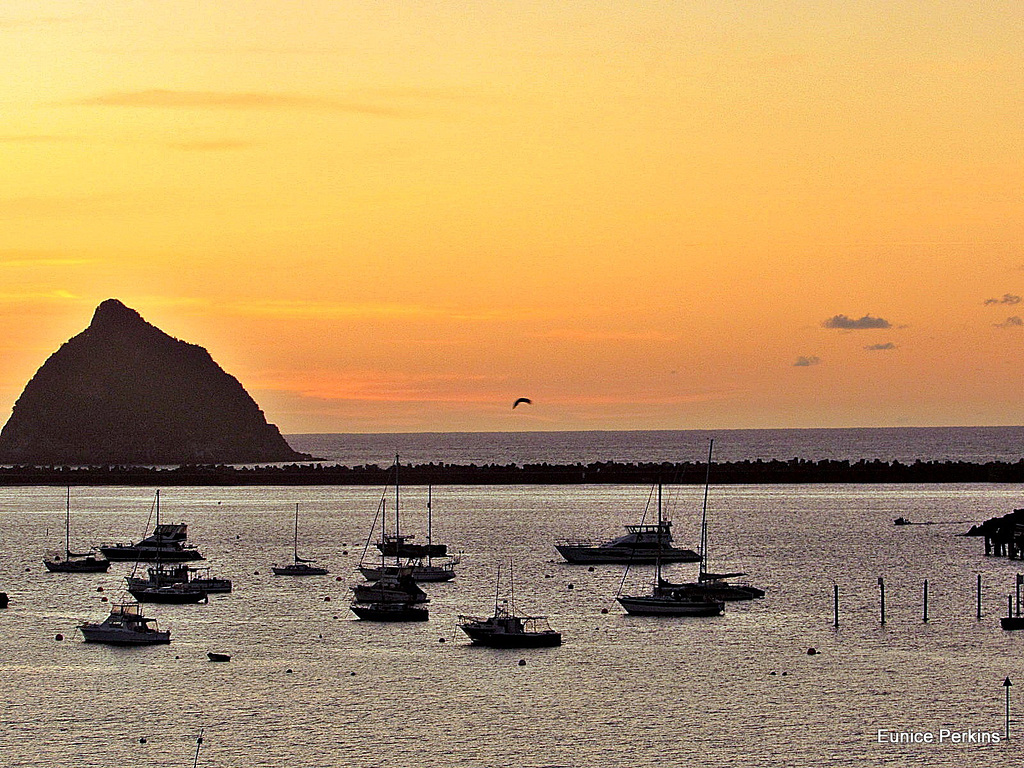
(124, 392)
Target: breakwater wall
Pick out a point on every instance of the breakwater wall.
(759, 472)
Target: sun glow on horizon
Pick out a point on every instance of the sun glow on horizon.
(401, 217)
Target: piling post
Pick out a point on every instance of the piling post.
(979, 597)
(881, 598)
(835, 605)
(1006, 685)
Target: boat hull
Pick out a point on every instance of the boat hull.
(424, 573)
(390, 611)
(1012, 622)
(87, 565)
(482, 636)
(668, 606)
(168, 596)
(598, 555)
(299, 569)
(150, 554)
(100, 634)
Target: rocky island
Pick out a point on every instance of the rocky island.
(123, 392)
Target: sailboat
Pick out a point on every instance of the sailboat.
(74, 562)
(155, 591)
(668, 599)
(393, 594)
(507, 629)
(300, 566)
(714, 586)
(423, 566)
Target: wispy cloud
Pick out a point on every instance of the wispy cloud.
(880, 347)
(1011, 322)
(1008, 298)
(168, 99)
(806, 361)
(844, 323)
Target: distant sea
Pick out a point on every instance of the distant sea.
(904, 444)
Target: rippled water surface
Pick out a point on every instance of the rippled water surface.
(308, 685)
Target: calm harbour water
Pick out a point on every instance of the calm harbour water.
(735, 690)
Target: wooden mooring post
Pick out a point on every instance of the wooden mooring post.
(835, 605)
(979, 597)
(881, 598)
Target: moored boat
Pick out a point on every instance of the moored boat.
(197, 578)
(125, 626)
(300, 565)
(173, 594)
(712, 586)
(506, 629)
(395, 585)
(73, 562)
(424, 571)
(642, 544)
(165, 545)
(668, 599)
(667, 602)
(390, 611)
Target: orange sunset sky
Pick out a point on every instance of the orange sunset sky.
(401, 216)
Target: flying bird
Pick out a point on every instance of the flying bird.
(521, 400)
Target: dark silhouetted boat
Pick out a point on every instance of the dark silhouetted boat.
(390, 611)
(300, 566)
(180, 573)
(395, 585)
(668, 599)
(73, 562)
(642, 544)
(172, 594)
(125, 626)
(712, 586)
(165, 545)
(506, 629)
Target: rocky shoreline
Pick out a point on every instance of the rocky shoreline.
(758, 472)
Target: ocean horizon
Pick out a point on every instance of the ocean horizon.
(903, 444)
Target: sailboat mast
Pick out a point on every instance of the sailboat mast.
(511, 589)
(704, 515)
(657, 559)
(497, 587)
(397, 531)
(295, 539)
(430, 554)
